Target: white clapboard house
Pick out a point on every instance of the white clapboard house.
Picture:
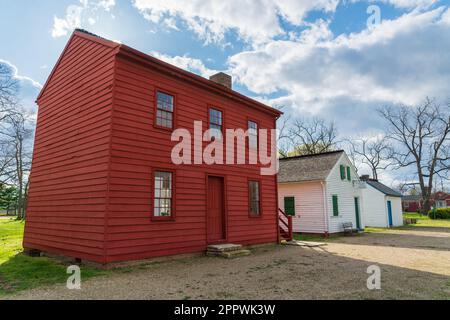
(382, 206)
(321, 191)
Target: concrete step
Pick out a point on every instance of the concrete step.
(229, 254)
(226, 250)
(226, 247)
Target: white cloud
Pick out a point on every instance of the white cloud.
(187, 63)
(79, 14)
(107, 4)
(400, 61)
(19, 77)
(255, 21)
(72, 20)
(409, 3)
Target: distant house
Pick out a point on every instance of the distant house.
(441, 200)
(382, 206)
(321, 191)
(412, 203)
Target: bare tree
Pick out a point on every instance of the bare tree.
(15, 133)
(312, 136)
(15, 139)
(8, 91)
(421, 137)
(374, 152)
(284, 141)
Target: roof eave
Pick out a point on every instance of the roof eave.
(128, 52)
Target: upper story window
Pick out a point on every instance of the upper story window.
(252, 134)
(163, 194)
(164, 110)
(254, 198)
(216, 123)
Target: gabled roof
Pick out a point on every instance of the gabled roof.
(315, 167)
(383, 188)
(171, 70)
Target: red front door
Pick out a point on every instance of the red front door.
(216, 211)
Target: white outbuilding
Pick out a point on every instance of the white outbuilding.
(382, 206)
(322, 192)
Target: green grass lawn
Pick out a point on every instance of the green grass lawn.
(19, 271)
(422, 222)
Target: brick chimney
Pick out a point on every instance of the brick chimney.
(365, 177)
(222, 79)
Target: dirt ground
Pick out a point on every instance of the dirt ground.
(415, 264)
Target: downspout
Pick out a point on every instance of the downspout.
(325, 208)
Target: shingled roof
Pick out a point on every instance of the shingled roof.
(383, 188)
(314, 167)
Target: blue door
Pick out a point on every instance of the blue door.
(358, 220)
(389, 205)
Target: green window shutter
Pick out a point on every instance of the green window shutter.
(289, 206)
(342, 172)
(349, 175)
(335, 206)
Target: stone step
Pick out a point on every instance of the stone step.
(229, 254)
(227, 247)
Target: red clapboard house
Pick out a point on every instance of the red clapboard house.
(103, 184)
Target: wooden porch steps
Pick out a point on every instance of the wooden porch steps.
(227, 250)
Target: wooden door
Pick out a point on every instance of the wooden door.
(389, 205)
(357, 216)
(216, 210)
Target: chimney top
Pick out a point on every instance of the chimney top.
(222, 79)
(365, 177)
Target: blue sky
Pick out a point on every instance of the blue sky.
(312, 57)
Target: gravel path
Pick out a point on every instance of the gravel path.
(415, 264)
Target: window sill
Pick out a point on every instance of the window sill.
(163, 219)
(163, 128)
(336, 217)
(255, 216)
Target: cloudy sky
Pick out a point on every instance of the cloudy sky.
(313, 57)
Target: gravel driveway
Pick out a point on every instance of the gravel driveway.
(415, 264)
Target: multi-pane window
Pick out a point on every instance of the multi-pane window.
(254, 197)
(163, 194)
(164, 110)
(252, 134)
(215, 123)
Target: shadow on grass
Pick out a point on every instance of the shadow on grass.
(22, 272)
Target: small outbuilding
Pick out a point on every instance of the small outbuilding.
(321, 191)
(382, 206)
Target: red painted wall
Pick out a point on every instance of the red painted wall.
(96, 146)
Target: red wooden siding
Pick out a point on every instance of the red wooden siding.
(97, 148)
(68, 188)
(138, 147)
